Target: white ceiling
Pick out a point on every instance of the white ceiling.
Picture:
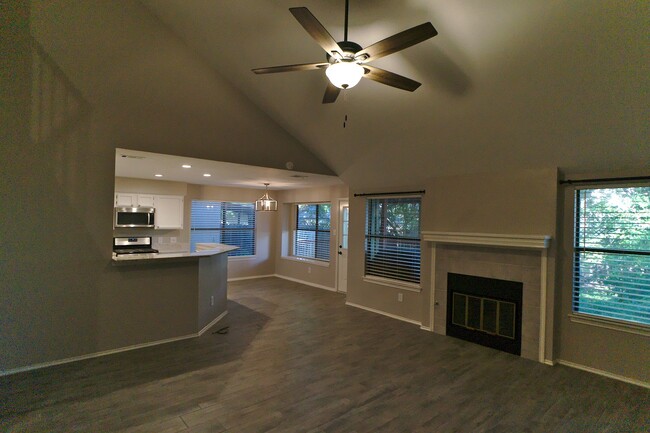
(145, 165)
(507, 84)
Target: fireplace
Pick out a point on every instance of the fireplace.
(513, 258)
(486, 311)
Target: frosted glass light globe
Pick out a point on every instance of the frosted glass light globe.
(344, 75)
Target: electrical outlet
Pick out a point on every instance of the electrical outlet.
(309, 269)
(212, 301)
(400, 297)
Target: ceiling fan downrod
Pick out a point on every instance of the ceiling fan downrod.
(345, 27)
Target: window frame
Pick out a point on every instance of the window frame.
(295, 230)
(382, 279)
(232, 255)
(578, 247)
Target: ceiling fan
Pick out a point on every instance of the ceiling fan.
(347, 61)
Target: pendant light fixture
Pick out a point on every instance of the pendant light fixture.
(266, 203)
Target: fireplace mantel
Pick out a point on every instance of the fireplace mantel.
(540, 243)
(490, 239)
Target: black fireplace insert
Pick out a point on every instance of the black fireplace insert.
(485, 311)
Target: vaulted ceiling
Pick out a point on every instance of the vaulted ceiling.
(506, 84)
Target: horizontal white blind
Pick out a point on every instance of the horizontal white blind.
(228, 223)
(392, 244)
(312, 231)
(611, 273)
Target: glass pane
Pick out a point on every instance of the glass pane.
(344, 227)
(312, 235)
(324, 216)
(393, 238)
(614, 218)
(305, 243)
(611, 272)
(489, 316)
(473, 312)
(458, 309)
(507, 319)
(394, 217)
(229, 223)
(306, 217)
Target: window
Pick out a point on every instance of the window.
(312, 233)
(611, 275)
(225, 223)
(393, 238)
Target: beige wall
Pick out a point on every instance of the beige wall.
(60, 295)
(323, 274)
(520, 202)
(375, 296)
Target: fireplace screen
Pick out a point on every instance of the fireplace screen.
(486, 311)
(487, 315)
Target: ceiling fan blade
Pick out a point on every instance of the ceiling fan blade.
(390, 78)
(316, 30)
(331, 93)
(289, 68)
(397, 42)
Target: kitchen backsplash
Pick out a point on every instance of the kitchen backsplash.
(170, 244)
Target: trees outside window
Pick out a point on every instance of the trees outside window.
(392, 244)
(312, 231)
(611, 275)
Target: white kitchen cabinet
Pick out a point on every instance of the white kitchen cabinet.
(146, 200)
(169, 211)
(133, 200)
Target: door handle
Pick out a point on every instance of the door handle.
(340, 253)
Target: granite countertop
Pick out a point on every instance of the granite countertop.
(157, 257)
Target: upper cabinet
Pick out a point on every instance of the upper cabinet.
(169, 208)
(169, 211)
(133, 200)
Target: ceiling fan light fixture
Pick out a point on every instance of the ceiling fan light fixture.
(266, 203)
(344, 74)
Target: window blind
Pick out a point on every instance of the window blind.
(611, 272)
(312, 231)
(392, 241)
(229, 223)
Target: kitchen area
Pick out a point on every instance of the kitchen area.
(151, 247)
(172, 273)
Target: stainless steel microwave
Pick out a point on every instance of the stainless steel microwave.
(135, 216)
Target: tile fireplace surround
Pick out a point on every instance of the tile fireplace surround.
(520, 258)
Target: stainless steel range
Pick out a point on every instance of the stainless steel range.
(133, 245)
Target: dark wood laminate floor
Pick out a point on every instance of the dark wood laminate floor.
(296, 359)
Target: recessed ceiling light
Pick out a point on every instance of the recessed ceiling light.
(158, 175)
(186, 166)
(206, 175)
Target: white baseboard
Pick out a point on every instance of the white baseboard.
(111, 351)
(307, 283)
(426, 328)
(383, 313)
(211, 324)
(604, 373)
(549, 362)
(254, 277)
